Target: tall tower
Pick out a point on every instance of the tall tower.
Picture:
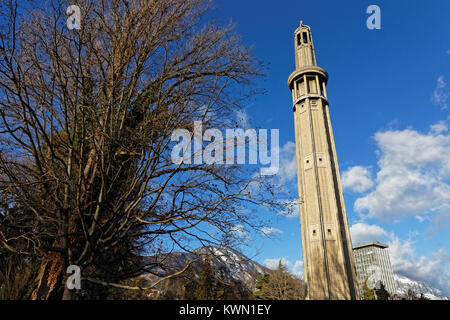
(329, 266)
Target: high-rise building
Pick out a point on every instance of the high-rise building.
(327, 252)
(373, 264)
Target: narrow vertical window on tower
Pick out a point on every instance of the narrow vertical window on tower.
(300, 88)
(312, 85)
(299, 40)
(305, 37)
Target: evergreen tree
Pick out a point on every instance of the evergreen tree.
(422, 297)
(382, 293)
(206, 283)
(223, 290)
(261, 286)
(369, 294)
(279, 285)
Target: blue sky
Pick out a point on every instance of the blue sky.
(389, 100)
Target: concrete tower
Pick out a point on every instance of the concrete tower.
(329, 266)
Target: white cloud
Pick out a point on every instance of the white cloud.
(439, 127)
(357, 179)
(296, 268)
(441, 93)
(442, 218)
(291, 209)
(273, 263)
(243, 118)
(413, 175)
(286, 172)
(288, 164)
(270, 230)
(421, 219)
(363, 233)
(239, 231)
(431, 270)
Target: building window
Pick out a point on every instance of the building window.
(305, 37)
(301, 87)
(299, 41)
(311, 84)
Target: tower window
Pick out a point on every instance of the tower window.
(311, 84)
(305, 37)
(300, 87)
(299, 41)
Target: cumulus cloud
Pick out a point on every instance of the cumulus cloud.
(430, 270)
(270, 230)
(363, 233)
(296, 268)
(286, 172)
(291, 208)
(357, 179)
(441, 93)
(413, 175)
(288, 164)
(439, 127)
(239, 231)
(243, 118)
(273, 263)
(441, 219)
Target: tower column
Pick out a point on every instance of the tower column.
(327, 253)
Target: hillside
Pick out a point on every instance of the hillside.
(404, 284)
(230, 265)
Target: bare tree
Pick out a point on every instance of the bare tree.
(86, 176)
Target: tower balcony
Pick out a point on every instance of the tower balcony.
(308, 82)
(310, 70)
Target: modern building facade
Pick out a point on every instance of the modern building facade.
(329, 266)
(373, 264)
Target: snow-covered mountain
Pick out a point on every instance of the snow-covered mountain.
(233, 265)
(229, 264)
(404, 284)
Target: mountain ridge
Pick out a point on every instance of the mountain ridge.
(231, 264)
(405, 283)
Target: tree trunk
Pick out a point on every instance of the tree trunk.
(68, 294)
(50, 275)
